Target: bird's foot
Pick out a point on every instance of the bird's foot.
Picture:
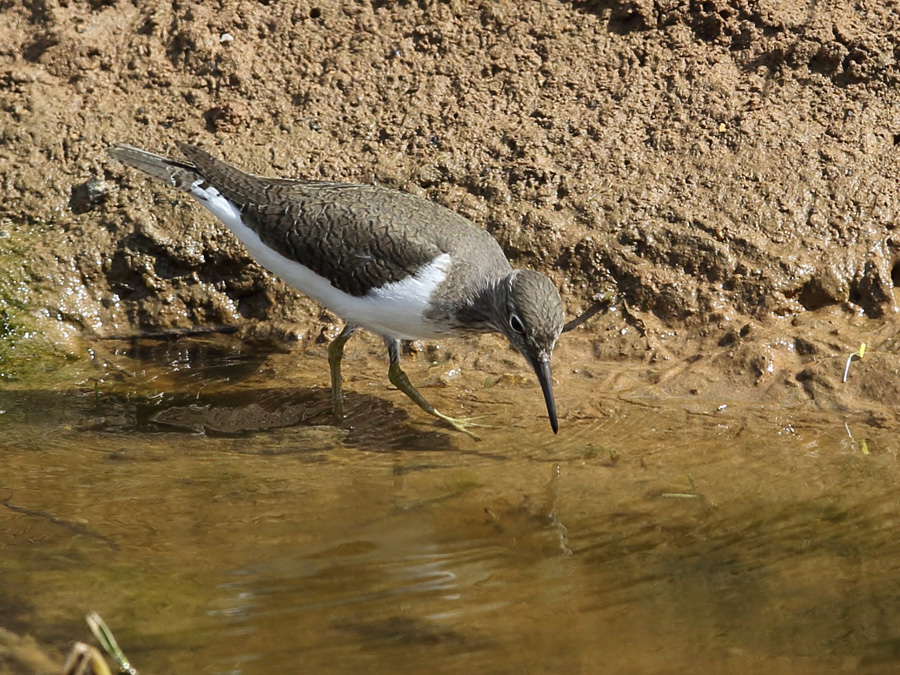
(464, 424)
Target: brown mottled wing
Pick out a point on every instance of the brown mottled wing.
(358, 237)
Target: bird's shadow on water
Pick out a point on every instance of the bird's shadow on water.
(371, 424)
(210, 389)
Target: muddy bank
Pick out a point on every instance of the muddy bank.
(728, 170)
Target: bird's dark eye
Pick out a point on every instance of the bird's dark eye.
(516, 324)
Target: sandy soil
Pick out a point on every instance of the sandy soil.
(726, 169)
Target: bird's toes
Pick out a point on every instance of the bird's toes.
(465, 424)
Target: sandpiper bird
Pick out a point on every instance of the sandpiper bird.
(384, 260)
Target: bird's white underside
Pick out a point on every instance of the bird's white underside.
(396, 309)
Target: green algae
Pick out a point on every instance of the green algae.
(34, 343)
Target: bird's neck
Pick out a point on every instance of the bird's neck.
(484, 312)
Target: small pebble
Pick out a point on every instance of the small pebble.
(88, 194)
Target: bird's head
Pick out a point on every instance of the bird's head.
(531, 316)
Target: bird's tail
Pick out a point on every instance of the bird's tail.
(178, 174)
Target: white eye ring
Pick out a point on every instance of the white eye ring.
(516, 323)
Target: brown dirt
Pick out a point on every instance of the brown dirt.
(728, 168)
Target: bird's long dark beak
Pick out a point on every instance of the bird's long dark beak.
(542, 369)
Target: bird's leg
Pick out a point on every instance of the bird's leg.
(399, 379)
(335, 353)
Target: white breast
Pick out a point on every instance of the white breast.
(396, 309)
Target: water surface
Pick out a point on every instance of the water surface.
(201, 499)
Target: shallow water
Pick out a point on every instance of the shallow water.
(200, 499)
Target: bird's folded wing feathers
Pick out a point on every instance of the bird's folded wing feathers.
(359, 237)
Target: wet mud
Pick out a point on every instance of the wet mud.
(712, 165)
